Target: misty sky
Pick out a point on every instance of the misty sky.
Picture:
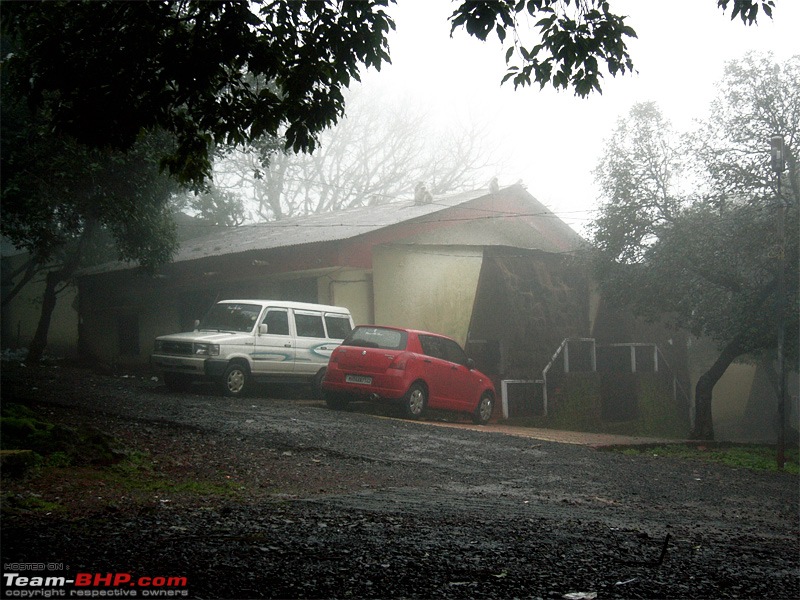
(553, 140)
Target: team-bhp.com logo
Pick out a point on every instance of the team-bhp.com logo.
(92, 585)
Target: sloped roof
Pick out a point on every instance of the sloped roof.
(309, 229)
(537, 228)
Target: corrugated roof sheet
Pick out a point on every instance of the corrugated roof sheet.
(542, 229)
(309, 229)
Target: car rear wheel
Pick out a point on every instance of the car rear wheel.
(235, 380)
(415, 401)
(483, 412)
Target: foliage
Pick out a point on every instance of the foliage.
(106, 71)
(576, 41)
(700, 246)
(70, 206)
(214, 206)
(636, 176)
(56, 444)
(57, 191)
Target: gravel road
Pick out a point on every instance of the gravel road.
(356, 504)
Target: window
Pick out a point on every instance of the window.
(277, 322)
(338, 326)
(431, 346)
(309, 325)
(231, 317)
(453, 352)
(446, 349)
(377, 337)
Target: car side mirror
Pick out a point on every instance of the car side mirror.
(470, 364)
(263, 329)
(196, 324)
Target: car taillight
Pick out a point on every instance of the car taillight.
(335, 356)
(399, 362)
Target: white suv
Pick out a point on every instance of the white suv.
(244, 340)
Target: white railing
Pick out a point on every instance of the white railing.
(563, 351)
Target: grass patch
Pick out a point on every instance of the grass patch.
(30, 504)
(137, 474)
(752, 457)
(51, 469)
(53, 444)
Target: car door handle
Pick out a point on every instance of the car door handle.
(287, 345)
(427, 360)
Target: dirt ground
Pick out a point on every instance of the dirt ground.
(278, 497)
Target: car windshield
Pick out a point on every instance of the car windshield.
(231, 317)
(377, 337)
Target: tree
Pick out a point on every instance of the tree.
(698, 248)
(230, 72)
(105, 71)
(70, 206)
(378, 153)
(214, 206)
(576, 40)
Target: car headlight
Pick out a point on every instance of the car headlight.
(206, 349)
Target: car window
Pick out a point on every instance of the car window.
(309, 325)
(338, 326)
(277, 322)
(231, 317)
(453, 352)
(431, 346)
(377, 337)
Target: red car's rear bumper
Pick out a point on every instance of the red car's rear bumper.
(384, 385)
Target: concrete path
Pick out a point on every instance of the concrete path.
(595, 440)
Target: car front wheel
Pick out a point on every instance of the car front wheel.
(235, 380)
(483, 412)
(415, 401)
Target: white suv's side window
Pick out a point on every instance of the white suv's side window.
(338, 326)
(277, 321)
(309, 325)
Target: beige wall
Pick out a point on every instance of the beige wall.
(351, 288)
(732, 392)
(426, 287)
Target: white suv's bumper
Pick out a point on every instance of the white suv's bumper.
(179, 364)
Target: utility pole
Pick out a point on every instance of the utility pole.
(778, 163)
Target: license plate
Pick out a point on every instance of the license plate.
(358, 379)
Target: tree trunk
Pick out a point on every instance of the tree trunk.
(39, 341)
(703, 419)
(50, 297)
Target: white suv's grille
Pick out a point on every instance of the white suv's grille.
(181, 348)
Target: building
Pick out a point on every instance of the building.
(495, 270)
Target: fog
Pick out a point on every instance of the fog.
(552, 140)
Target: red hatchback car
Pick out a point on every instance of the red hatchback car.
(415, 368)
